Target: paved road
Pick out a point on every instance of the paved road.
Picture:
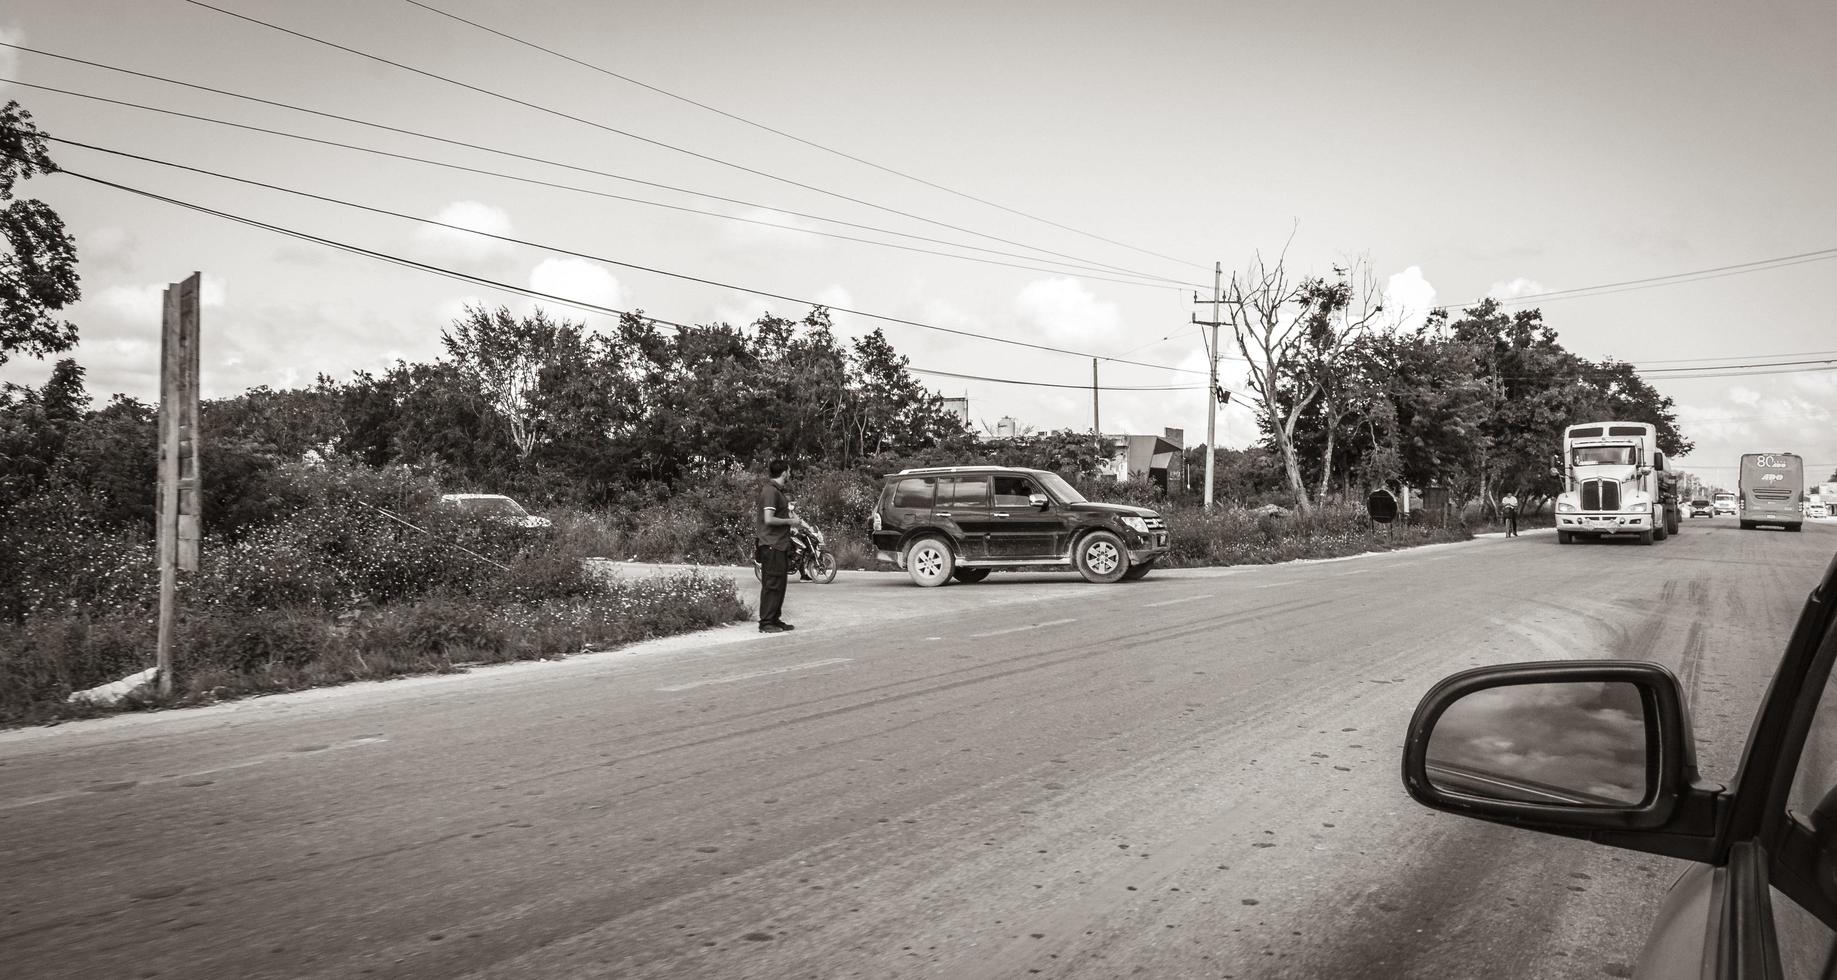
(1194, 775)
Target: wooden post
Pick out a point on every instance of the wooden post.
(178, 528)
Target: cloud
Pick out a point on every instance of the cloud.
(1408, 298)
(749, 235)
(1516, 288)
(145, 302)
(1067, 314)
(107, 249)
(577, 279)
(452, 244)
(1744, 396)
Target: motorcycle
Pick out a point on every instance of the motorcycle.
(811, 559)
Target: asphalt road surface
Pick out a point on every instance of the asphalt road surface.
(1191, 776)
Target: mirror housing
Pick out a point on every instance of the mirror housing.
(1668, 750)
(1039, 501)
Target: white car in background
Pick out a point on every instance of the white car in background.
(495, 507)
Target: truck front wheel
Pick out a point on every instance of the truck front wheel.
(1646, 537)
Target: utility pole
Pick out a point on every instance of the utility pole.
(1096, 425)
(1212, 388)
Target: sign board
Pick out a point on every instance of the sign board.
(179, 529)
(1381, 506)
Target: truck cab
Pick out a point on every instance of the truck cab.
(1616, 482)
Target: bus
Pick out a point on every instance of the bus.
(1772, 490)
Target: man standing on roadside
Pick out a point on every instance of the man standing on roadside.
(772, 523)
(1509, 504)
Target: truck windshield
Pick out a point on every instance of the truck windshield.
(1603, 456)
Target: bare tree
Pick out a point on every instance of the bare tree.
(1295, 335)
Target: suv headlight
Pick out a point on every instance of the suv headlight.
(1564, 507)
(1135, 524)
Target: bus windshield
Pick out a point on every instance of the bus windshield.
(1603, 456)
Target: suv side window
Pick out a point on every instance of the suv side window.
(964, 491)
(1014, 491)
(1808, 947)
(914, 493)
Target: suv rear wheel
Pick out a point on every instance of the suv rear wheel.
(930, 561)
(1136, 572)
(970, 576)
(1102, 558)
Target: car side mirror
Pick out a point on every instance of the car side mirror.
(1039, 501)
(1562, 746)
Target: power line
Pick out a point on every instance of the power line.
(557, 113)
(562, 251)
(519, 156)
(1049, 384)
(1628, 285)
(796, 139)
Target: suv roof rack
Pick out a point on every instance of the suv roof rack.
(966, 469)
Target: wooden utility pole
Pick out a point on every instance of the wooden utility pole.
(178, 529)
(1096, 422)
(1212, 389)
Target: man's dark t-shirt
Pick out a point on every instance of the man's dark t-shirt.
(771, 495)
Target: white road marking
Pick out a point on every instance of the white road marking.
(1356, 571)
(1172, 602)
(1022, 629)
(736, 678)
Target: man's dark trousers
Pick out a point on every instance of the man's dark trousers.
(774, 566)
(1511, 521)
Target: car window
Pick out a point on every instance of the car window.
(965, 491)
(1014, 491)
(914, 493)
(1808, 946)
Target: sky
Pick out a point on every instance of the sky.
(1082, 166)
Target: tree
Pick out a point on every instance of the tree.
(505, 356)
(38, 270)
(1293, 334)
(34, 425)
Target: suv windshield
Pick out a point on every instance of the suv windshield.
(1604, 455)
(1065, 492)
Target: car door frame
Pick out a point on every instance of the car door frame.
(1025, 522)
(968, 524)
(1756, 838)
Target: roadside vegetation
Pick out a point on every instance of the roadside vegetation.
(644, 441)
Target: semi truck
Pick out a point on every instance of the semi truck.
(1616, 482)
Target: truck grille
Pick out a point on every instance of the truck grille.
(1600, 495)
(1155, 524)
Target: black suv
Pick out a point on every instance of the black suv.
(962, 522)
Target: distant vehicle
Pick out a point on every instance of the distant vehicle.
(1701, 507)
(1602, 750)
(495, 507)
(1725, 504)
(1615, 482)
(1772, 490)
(1817, 509)
(962, 522)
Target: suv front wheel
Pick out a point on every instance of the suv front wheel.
(1102, 557)
(930, 561)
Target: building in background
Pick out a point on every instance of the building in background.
(960, 407)
(1143, 456)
